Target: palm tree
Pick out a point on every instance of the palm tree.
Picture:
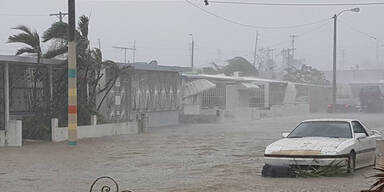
(32, 41)
(58, 34)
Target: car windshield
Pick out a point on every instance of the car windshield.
(322, 129)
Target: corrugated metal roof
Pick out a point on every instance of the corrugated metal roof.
(153, 67)
(197, 86)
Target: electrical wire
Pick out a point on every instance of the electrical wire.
(297, 4)
(23, 15)
(254, 26)
(360, 31)
(274, 46)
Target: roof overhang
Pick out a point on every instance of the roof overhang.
(21, 60)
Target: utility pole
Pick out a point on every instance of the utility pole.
(343, 57)
(334, 88)
(72, 75)
(270, 53)
(377, 53)
(285, 56)
(255, 52)
(60, 15)
(293, 45)
(134, 51)
(98, 41)
(334, 84)
(192, 50)
(125, 51)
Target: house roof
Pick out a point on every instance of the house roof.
(22, 60)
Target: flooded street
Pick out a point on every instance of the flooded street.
(204, 157)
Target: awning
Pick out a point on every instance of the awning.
(249, 86)
(197, 86)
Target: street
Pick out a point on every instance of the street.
(200, 157)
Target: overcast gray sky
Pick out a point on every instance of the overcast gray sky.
(161, 29)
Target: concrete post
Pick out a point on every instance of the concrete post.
(14, 134)
(266, 95)
(6, 99)
(54, 126)
(93, 120)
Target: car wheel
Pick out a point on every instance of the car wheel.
(351, 162)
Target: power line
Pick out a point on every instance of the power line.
(360, 31)
(275, 45)
(297, 4)
(254, 26)
(22, 15)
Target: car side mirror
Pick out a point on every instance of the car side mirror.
(360, 135)
(285, 135)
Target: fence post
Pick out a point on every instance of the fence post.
(54, 126)
(93, 120)
(14, 134)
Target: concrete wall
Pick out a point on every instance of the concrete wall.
(91, 131)
(191, 109)
(162, 118)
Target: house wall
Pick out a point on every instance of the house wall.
(154, 93)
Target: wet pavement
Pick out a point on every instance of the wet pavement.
(202, 157)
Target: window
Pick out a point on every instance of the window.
(333, 129)
(358, 128)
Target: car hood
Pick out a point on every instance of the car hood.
(305, 146)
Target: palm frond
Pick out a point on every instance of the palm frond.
(28, 37)
(23, 28)
(83, 25)
(56, 52)
(378, 186)
(31, 39)
(26, 50)
(97, 55)
(57, 31)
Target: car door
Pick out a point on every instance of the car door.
(365, 146)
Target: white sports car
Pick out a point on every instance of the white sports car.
(320, 142)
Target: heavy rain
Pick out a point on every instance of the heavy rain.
(191, 95)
